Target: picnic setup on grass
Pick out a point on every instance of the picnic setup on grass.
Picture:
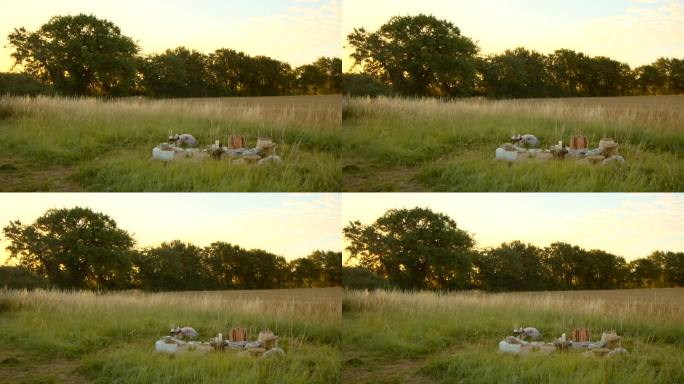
(186, 147)
(525, 147)
(578, 341)
(184, 339)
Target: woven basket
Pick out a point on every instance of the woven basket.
(265, 147)
(256, 352)
(611, 151)
(606, 142)
(611, 339)
(250, 159)
(265, 335)
(608, 147)
(595, 159)
(270, 342)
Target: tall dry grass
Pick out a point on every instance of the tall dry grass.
(666, 305)
(435, 145)
(305, 111)
(111, 336)
(428, 337)
(660, 113)
(321, 305)
(106, 144)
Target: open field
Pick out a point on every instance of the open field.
(61, 144)
(433, 145)
(425, 337)
(84, 337)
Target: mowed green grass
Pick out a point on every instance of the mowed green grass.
(82, 337)
(62, 144)
(394, 337)
(432, 145)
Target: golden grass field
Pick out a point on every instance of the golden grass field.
(395, 144)
(84, 337)
(87, 144)
(427, 337)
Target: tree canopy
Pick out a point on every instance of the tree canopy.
(73, 248)
(417, 55)
(13, 277)
(424, 56)
(420, 249)
(413, 248)
(80, 249)
(85, 55)
(79, 55)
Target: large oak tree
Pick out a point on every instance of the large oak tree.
(73, 248)
(78, 55)
(414, 249)
(419, 55)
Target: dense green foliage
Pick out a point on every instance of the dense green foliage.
(79, 248)
(84, 55)
(362, 278)
(78, 55)
(364, 85)
(424, 56)
(19, 84)
(420, 249)
(413, 248)
(73, 248)
(20, 278)
(418, 55)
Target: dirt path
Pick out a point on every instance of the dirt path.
(18, 175)
(366, 177)
(360, 368)
(18, 367)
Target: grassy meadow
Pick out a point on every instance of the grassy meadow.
(86, 144)
(426, 337)
(85, 337)
(394, 144)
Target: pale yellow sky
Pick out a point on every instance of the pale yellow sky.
(295, 31)
(628, 225)
(633, 31)
(291, 225)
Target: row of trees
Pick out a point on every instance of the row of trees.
(80, 249)
(421, 249)
(84, 55)
(424, 56)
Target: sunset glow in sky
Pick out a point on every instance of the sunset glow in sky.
(289, 225)
(633, 31)
(628, 225)
(295, 31)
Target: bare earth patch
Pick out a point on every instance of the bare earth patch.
(21, 176)
(359, 368)
(19, 367)
(366, 177)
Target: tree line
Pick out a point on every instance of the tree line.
(86, 56)
(425, 56)
(78, 248)
(421, 249)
